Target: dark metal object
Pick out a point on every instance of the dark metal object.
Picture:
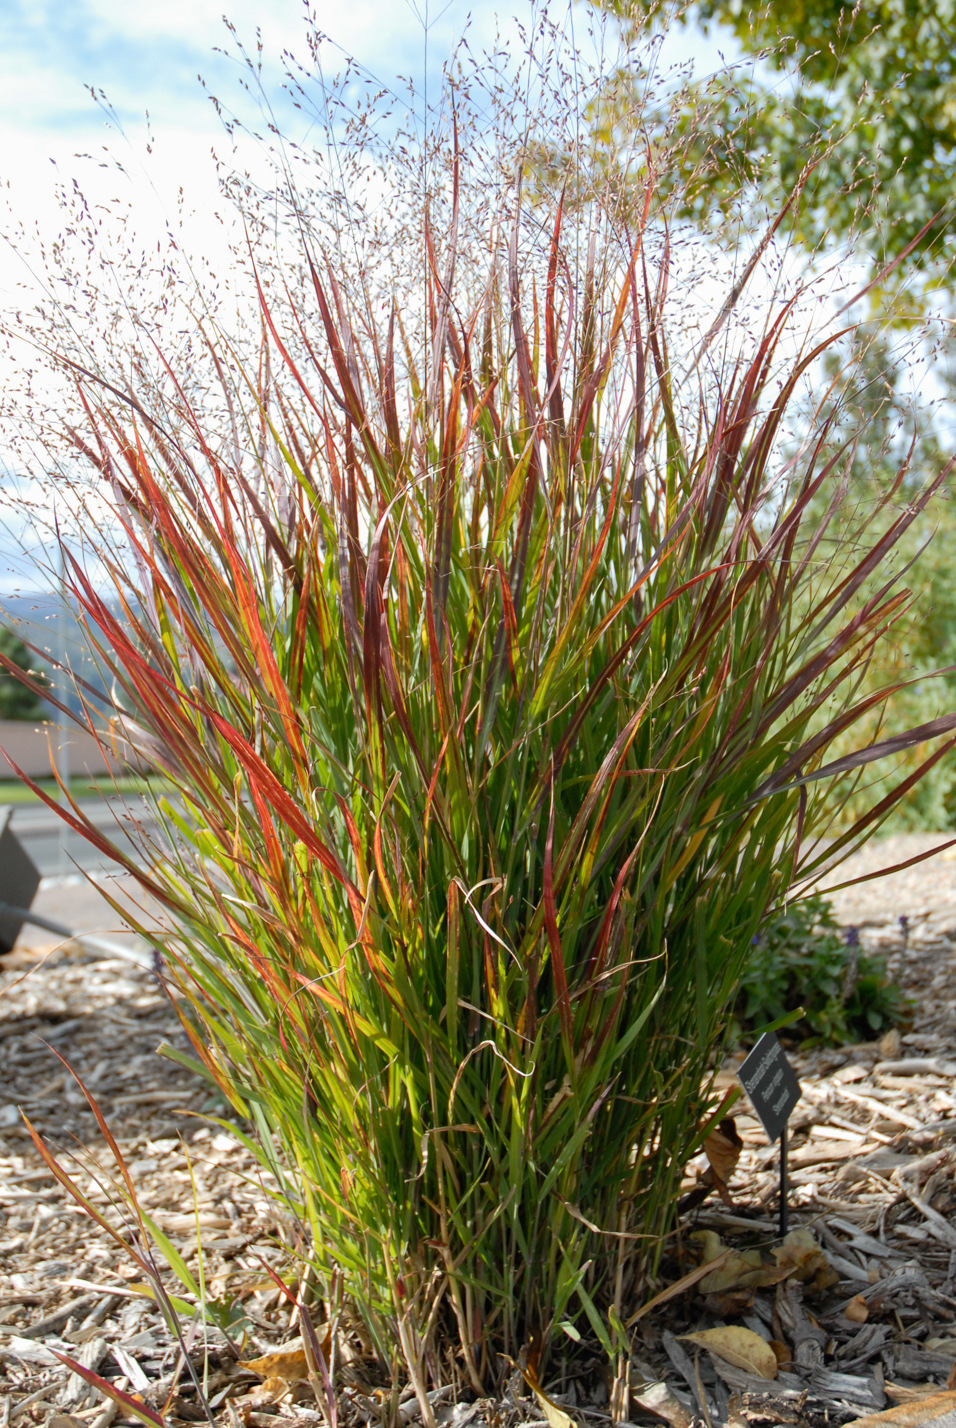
(20, 915)
(771, 1083)
(9, 911)
(783, 1182)
(19, 880)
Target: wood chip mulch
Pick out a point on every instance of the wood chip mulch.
(858, 1307)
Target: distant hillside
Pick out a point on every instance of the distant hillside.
(42, 621)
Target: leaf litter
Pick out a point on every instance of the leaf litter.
(853, 1314)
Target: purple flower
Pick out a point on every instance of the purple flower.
(853, 937)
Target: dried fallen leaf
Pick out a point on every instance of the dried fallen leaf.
(687, 1282)
(658, 1399)
(722, 1149)
(739, 1271)
(557, 1418)
(289, 1365)
(711, 1245)
(916, 1410)
(289, 1362)
(857, 1310)
(740, 1347)
(729, 1303)
(801, 1256)
(272, 1390)
(781, 1353)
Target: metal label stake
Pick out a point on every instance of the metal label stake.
(771, 1083)
(783, 1182)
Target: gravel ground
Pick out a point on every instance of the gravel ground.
(924, 892)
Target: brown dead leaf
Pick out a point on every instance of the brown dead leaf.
(289, 1365)
(737, 1269)
(924, 1406)
(769, 1275)
(711, 1245)
(740, 1347)
(556, 1416)
(737, 1272)
(857, 1310)
(781, 1353)
(801, 1256)
(271, 1390)
(743, 1273)
(672, 1290)
(289, 1362)
(729, 1303)
(658, 1399)
(722, 1149)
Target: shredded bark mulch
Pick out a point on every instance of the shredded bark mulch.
(857, 1308)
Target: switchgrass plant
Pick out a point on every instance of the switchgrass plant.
(480, 615)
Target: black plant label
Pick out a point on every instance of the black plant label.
(771, 1083)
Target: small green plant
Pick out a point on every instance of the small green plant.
(803, 958)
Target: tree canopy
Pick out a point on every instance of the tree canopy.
(16, 701)
(867, 90)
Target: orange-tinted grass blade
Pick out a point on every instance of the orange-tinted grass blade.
(73, 1189)
(104, 1129)
(132, 1406)
(602, 941)
(617, 659)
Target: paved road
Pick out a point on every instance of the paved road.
(58, 851)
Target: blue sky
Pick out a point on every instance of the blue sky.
(146, 55)
(146, 58)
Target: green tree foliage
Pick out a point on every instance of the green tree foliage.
(16, 700)
(852, 109)
(866, 92)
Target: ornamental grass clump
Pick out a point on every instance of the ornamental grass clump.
(487, 635)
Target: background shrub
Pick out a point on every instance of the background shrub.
(805, 959)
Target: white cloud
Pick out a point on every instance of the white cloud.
(199, 22)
